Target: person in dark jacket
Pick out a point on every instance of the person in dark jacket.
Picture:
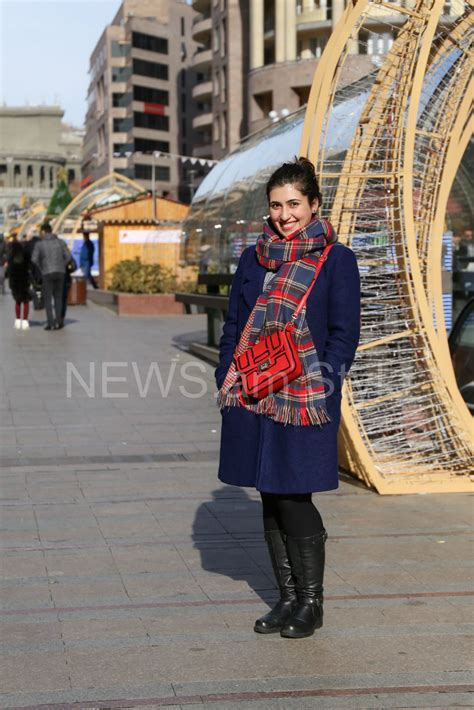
(18, 270)
(285, 444)
(3, 258)
(52, 256)
(87, 259)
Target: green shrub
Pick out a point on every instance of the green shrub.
(131, 276)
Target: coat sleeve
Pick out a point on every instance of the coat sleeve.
(343, 318)
(36, 255)
(229, 336)
(66, 253)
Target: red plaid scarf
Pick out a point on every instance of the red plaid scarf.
(302, 402)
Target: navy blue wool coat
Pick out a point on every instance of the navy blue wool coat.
(278, 458)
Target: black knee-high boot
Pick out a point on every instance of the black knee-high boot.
(276, 618)
(307, 558)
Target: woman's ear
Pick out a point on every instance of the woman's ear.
(314, 206)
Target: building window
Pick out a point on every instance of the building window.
(153, 96)
(151, 69)
(224, 130)
(269, 55)
(223, 38)
(51, 178)
(122, 125)
(118, 74)
(264, 103)
(71, 176)
(145, 172)
(145, 145)
(149, 42)
(120, 149)
(121, 100)
(3, 175)
(120, 49)
(128, 172)
(316, 46)
(375, 43)
(183, 27)
(216, 39)
(42, 176)
(29, 176)
(223, 84)
(17, 176)
(151, 120)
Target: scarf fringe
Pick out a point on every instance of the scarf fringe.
(281, 413)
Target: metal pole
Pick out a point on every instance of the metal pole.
(191, 175)
(153, 186)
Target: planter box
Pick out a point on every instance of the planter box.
(157, 304)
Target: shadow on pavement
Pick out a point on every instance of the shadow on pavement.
(233, 552)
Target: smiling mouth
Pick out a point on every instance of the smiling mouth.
(288, 225)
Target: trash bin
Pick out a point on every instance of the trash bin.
(78, 292)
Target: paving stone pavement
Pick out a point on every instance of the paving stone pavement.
(131, 578)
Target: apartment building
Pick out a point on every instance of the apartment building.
(221, 63)
(276, 45)
(139, 99)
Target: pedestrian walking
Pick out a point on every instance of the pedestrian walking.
(3, 258)
(87, 259)
(71, 267)
(284, 442)
(18, 271)
(51, 256)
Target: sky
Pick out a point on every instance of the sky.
(45, 47)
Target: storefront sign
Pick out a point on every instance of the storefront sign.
(149, 236)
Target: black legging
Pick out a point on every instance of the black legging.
(296, 515)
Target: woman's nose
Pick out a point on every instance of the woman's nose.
(285, 213)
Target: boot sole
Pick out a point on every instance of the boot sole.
(259, 630)
(302, 635)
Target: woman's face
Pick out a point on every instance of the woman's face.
(290, 210)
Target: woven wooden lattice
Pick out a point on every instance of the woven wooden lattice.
(405, 427)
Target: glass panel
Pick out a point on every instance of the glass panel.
(120, 49)
(120, 73)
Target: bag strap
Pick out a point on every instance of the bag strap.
(318, 268)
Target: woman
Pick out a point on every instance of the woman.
(18, 270)
(285, 445)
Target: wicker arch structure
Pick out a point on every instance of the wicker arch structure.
(103, 191)
(405, 427)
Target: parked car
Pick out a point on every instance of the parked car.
(461, 346)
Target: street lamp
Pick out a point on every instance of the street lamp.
(153, 183)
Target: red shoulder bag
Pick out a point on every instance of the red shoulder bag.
(273, 361)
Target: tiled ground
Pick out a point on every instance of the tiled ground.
(131, 578)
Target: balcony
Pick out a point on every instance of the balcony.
(121, 74)
(313, 19)
(202, 90)
(203, 151)
(202, 29)
(202, 58)
(203, 120)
